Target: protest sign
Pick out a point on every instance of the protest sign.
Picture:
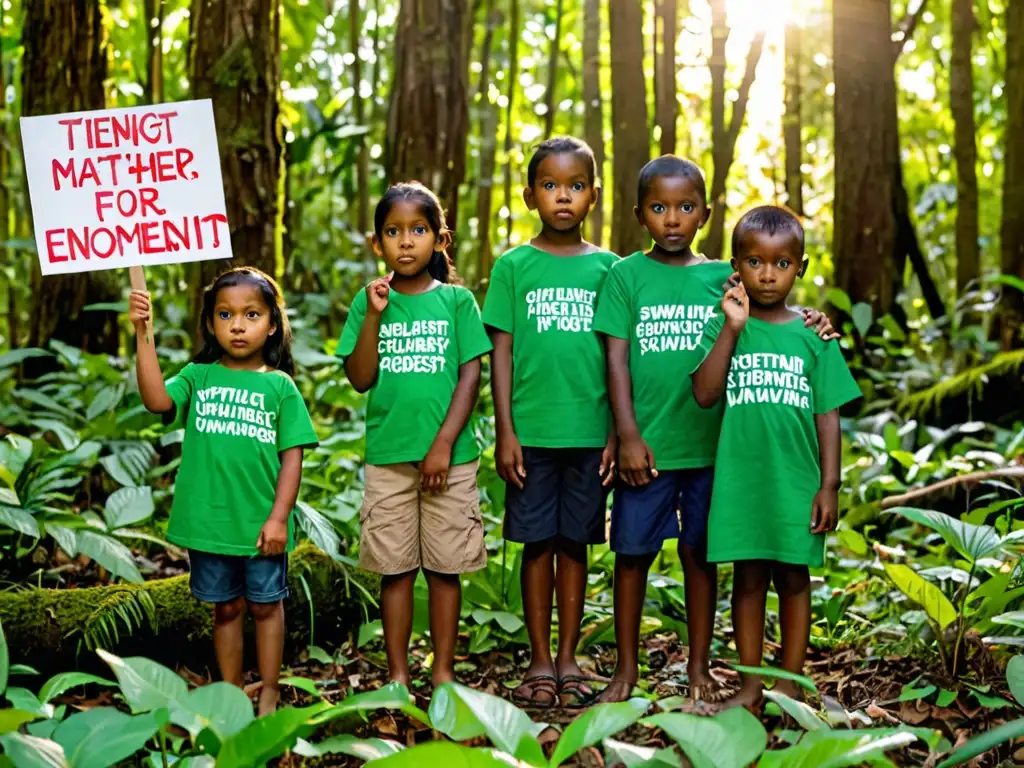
(130, 187)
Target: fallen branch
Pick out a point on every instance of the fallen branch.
(952, 482)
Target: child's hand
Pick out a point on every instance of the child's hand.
(377, 294)
(736, 307)
(508, 458)
(636, 462)
(821, 323)
(139, 310)
(607, 470)
(434, 467)
(824, 511)
(273, 539)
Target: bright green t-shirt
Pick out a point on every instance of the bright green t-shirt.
(423, 341)
(661, 310)
(768, 470)
(547, 302)
(237, 423)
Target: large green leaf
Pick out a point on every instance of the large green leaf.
(106, 399)
(64, 681)
(447, 754)
(771, 673)
(66, 538)
(13, 719)
(268, 736)
(364, 749)
(1013, 619)
(922, 592)
(110, 553)
(318, 528)
(25, 700)
(128, 506)
(117, 739)
(5, 660)
(806, 717)
(464, 713)
(1015, 678)
(19, 520)
(594, 725)
(145, 684)
(981, 744)
(18, 356)
(971, 541)
(839, 749)
(633, 756)
(32, 752)
(15, 451)
(731, 739)
(390, 696)
(67, 435)
(220, 706)
(71, 732)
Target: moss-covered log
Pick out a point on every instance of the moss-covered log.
(55, 629)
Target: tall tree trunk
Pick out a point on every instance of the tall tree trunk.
(429, 117)
(666, 34)
(488, 149)
(513, 76)
(630, 149)
(593, 108)
(355, 27)
(792, 122)
(549, 93)
(865, 143)
(1011, 308)
(63, 70)
(961, 101)
(236, 63)
(724, 135)
(154, 18)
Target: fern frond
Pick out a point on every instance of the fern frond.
(122, 612)
(972, 379)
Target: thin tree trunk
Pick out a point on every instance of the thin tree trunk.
(513, 75)
(666, 109)
(961, 101)
(724, 135)
(792, 122)
(549, 94)
(593, 108)
(154, 19)
(630, 149)
(488, 150)
(355, 26)
(1011, 307)
(5, 214)
(865, 145)
(428, 118)
(236, 63)
(63, 70)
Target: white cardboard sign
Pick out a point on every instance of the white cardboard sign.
(129, 187)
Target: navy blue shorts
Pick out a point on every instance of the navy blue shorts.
(678, 499)
(223, 578)
(562, 496)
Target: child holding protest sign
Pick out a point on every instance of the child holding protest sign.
(555, 448)
(246, 426)
(414, 341)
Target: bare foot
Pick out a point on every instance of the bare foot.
(442, 676)
(790, 689)
(399, 678)
(617, 690)
(269, 698)
(750, 697)
(706, 687)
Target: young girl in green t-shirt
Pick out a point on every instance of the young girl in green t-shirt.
(414, 341)
(241, 461)
(776, 483)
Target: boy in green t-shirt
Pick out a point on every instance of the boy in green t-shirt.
(776, 485)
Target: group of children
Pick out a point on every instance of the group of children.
(686, 387)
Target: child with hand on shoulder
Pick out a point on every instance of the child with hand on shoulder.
(776, 480)
(555, 447)
(652, 312)
(414, 341)
(246, 426)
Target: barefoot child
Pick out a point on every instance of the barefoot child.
(554, 444)
(414, 341)
(652, 312)
(245, 428)
(777, 475)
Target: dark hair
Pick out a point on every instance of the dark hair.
(770, 220)
(561, 145)
(671, 166)
(440, 266)
(277, 352)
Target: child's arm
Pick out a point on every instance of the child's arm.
(434, 469)
(361, 366)
(636, 459)
(825, 509)
(147, 367)
(508, 455)
(273, 538)
(710, 378)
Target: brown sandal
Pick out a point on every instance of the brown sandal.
(545, 685)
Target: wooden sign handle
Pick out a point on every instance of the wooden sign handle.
(138, 278)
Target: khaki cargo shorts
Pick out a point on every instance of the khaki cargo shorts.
(403, 529)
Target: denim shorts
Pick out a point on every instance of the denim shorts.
(675, 504)
(223, 578)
